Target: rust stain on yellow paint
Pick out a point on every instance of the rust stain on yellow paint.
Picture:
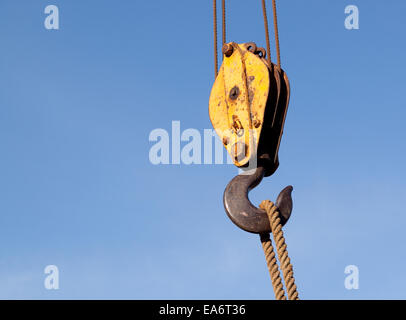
(237, 103)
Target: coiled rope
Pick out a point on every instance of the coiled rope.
(281, 248)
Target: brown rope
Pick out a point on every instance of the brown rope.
(268, 45)
(273, 267)
(215, 38)
(281, 248)
(275, 23)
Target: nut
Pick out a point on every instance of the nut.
(228, 49)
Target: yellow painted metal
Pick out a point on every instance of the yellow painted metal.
(237, 102)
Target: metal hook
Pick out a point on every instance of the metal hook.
(243, 213)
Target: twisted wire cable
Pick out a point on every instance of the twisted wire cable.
(268, 45)
(215, 38)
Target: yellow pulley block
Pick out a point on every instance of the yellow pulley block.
(248, 103)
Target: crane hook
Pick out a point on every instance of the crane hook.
(243, 213)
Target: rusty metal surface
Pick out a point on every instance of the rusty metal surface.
(248, 105)
(238, 100)
(250, 94)
(243, 213)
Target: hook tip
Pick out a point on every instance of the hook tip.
(285, 204)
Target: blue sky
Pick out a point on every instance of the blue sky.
(78, 191)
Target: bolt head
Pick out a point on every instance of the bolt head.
(228, 50)
(234, 93)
